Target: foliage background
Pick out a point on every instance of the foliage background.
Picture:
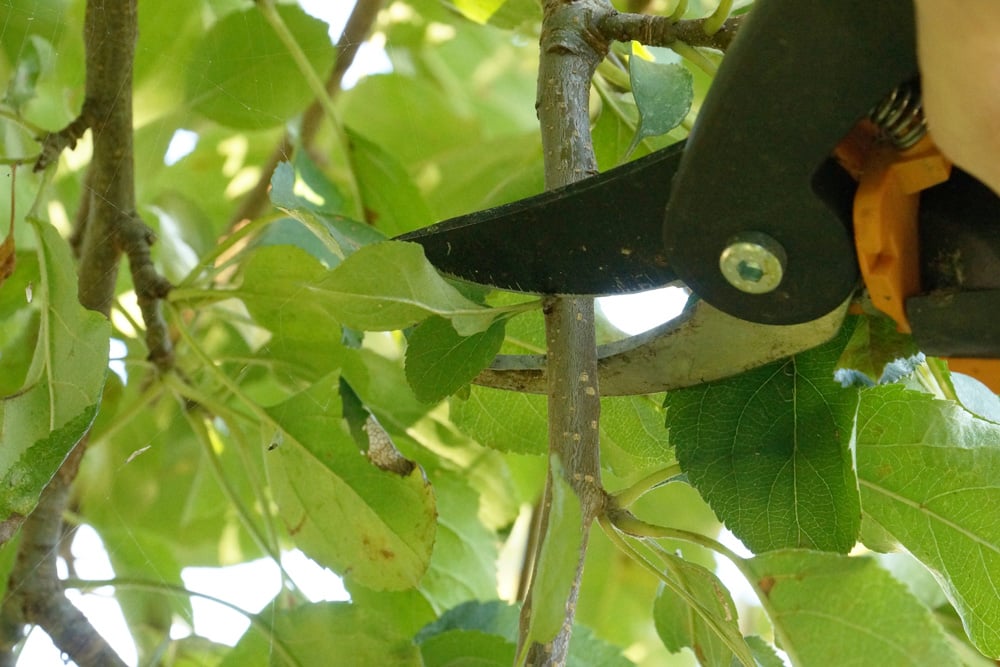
(243, 452)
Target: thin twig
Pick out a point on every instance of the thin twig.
(356, 31)
(663, 31)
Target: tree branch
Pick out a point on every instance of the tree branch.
(34, 592)
(662, 31)
(356, 31)
(570, 52)
(107, 227)
(576, 36)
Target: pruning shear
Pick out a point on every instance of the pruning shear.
(808, 164)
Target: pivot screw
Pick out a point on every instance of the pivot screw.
(753, 263)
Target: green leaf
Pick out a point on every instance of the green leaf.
(633, 439)
(43, 421)
(393, 204)
(508, 421)
(763, 653)
(410, 117)
(680, 625)
(324, 633)
(928, 472)
(35, 54)
(491, 617)
(663, 89)
(390, 286)
(555, 570)
(342, 511)
(276, 292)
(503, 13)
(501, 619)
(242, 76)
(439, 362)
(321, 232)
(768, 450)
(463, 565)
(874, 344)
(829, 609)
(468, 648)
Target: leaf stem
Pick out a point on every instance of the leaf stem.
(201, 432)
(627, 523)
(695, 57)
(23, 122)
(629, 495)
(714, 22)
(222, 247)
(609, 525)
(679, 11)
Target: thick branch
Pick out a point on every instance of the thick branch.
(108, 226)
(356, 31)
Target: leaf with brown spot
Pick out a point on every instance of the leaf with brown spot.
(347, 514)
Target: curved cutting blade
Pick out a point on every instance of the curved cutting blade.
(598, 236)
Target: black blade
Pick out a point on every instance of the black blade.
(601, 235)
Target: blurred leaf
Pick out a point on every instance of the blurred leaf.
(501, 619)
(342, 511)
(392, 286)
(393, 204)
(327, 236)
(503, 13)
(381, 385)
(43, 421)
(408, 611)
(663, 89)
(321, 634)
(467, 647)
(680, 625)
(768, 449)
(408, 115)
(276, 282)
(928, 472)
(829, 609)
(241, 75)
(439, 362)
(8, 255)
(463, 565)
(633, 439)
(483, 175)
(35, 54)
(505, 420)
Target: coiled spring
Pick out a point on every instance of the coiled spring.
(900, 116)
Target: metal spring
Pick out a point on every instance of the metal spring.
(900, 116)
